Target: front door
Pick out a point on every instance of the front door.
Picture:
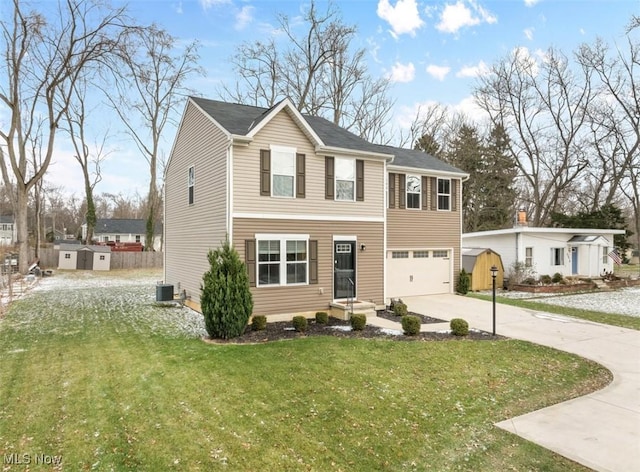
(344, 269)
(574, 260)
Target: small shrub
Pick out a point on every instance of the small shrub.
(563, 282)
(410, 325)
(400, 309)
(322, 317)
(557, 278)
(259, 323)
(545, 279)
(529, 281)
(464, 282)
(459, 327)
(299, 324)
(358, 321)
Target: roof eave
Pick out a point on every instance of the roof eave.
(442, 173)
(352, 152)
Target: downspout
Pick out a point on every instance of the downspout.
(229, 209)
(452, 288)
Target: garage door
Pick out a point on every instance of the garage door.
(418, 272)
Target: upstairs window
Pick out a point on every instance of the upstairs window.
(414, 191)
(345, 179)
(191, 182)
(283, 171)
(444, 194)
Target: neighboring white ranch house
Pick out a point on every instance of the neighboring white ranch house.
(569, 251)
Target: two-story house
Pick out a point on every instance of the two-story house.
(318, 214)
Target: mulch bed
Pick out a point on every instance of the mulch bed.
(283, 330)
(390, 315)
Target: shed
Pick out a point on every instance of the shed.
(84, 257)
(477, 262)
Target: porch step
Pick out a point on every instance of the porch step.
(601, 284)
(342, 310)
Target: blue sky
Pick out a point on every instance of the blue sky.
(432, 51)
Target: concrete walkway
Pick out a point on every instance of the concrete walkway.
(600, 430)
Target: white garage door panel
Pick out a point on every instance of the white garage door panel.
(418, 275)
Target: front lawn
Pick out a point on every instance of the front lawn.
(107, 380)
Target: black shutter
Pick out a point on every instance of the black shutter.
(392, 190)
(300, 175)
(454, 195)
(425, 194)
(313, 262)
(359, 180)
(403, 190)
(434, 193)
(265, 172)
(250, 260)
(329, 178)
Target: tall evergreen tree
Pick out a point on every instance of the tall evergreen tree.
(465, 151)
(226, 298)
(499, 182)
(427, 143)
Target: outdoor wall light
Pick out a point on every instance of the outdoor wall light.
(363, 247)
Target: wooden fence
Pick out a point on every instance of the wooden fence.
(119, 260)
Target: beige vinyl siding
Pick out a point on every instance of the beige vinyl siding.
(308, 298)
(191, 230)
(283, 131)
(425, 229)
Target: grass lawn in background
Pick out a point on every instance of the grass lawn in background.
(613, 319)
(101, 376)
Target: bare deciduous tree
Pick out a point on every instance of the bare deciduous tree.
(89, 158)
(151, 84)
(543, 106)
(319, 70)
(39, 61)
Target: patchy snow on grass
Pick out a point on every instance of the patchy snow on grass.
(625, 301)
(391, 332)
(341, 328)
(68, 305)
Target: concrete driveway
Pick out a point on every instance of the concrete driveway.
(600, 430)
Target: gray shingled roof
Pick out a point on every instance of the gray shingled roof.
(6, 219)
(240, 119)
(82, 247)
(123, 226)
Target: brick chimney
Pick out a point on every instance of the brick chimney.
(521, 218)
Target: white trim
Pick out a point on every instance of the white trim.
(385, 187)
(229, 202)
(210, 118)
(285, 216)
(271, 236)
(426, 172)
(333, 150)
(337, 237)
(536, 229)
(282, 239)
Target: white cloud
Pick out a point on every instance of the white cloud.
(206, 4)
(438, 72)
(244, 17)
(403, 18)
(530, 3)
(179, 9)
(402, 73)
(458, 15)
(469, 108)
(478, 70)
(528, 32)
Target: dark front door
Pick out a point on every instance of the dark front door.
(344, 269)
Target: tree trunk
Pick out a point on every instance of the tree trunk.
(22, 200)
